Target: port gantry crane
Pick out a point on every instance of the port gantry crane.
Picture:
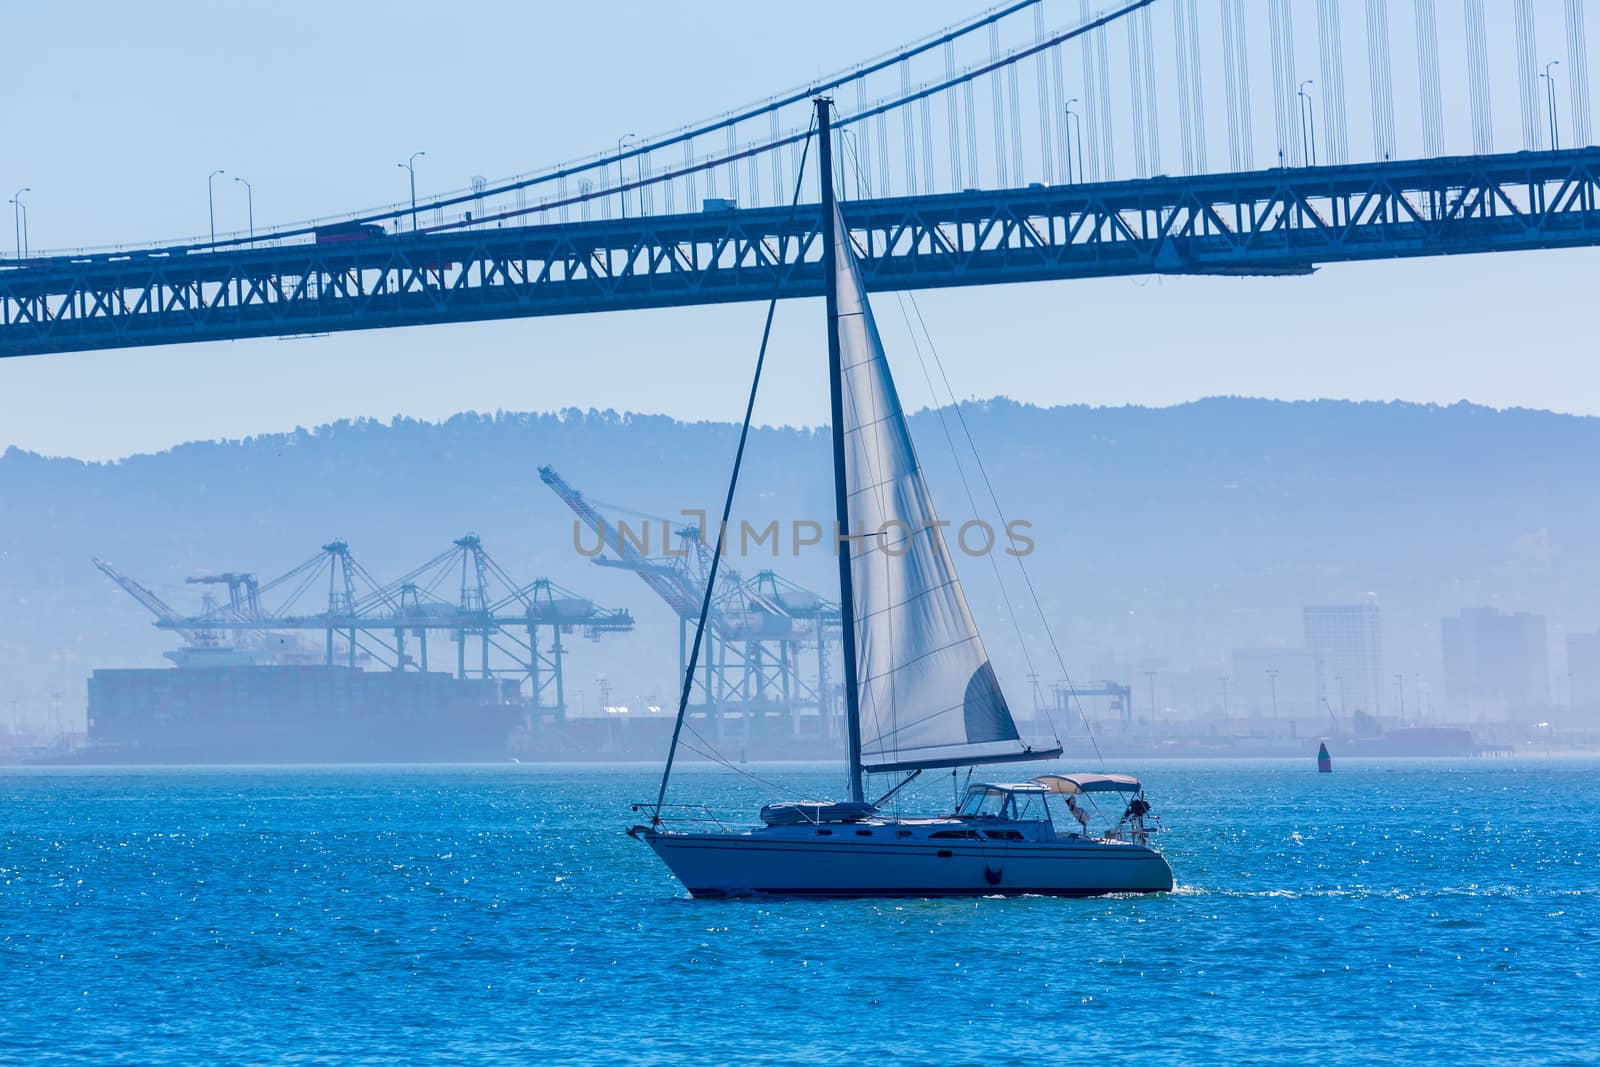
(1119, 699)
(368, 621)
(166, 616)
(757, 630)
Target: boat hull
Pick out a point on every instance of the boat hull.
(774, 864)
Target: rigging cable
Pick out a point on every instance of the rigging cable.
(966, 486)
(972, 502)
(995, 501)
(727, 508)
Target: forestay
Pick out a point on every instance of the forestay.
(928, 696)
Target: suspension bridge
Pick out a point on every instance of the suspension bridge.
(1038, 140)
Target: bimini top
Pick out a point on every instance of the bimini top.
(1090, 783)
(1035, 786)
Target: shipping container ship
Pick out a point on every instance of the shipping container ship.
(296, 713)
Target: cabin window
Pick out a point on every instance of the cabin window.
(863, 833)
(1002, 835)
(964, 835)
(824, 833)
(983, 802)
(1029, 807)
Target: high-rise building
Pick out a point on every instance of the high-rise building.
(1345, 640)
(1583, 668)
(1495, 663)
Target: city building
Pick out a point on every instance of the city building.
(1583, 671)
(1345, 640)
(1495, 664)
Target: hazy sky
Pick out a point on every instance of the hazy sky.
(127, 108)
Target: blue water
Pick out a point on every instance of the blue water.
(499, 915)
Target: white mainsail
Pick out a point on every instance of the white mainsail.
(928, 696)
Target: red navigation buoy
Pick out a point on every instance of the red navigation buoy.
(1324, 761)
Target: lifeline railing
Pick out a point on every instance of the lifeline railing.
(696, 815)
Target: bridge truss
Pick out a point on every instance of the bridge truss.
(1040, 139)
(1271, 222)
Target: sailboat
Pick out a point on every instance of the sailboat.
(920, 693)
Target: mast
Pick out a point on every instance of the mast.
(841, 497)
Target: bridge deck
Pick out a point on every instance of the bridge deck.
(1267, 222)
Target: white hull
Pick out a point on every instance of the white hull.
(782, 862)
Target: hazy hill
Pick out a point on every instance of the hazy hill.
(1179, 532)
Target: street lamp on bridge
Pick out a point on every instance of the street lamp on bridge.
(622, 193)
(410, 166)
(19, 211)
(1074, 136)
(1308, 141)
(1550, 103)
(250, 201)
(211, 202)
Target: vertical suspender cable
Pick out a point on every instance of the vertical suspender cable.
(1091, 101)
(953, 117)
(997, 98)
(777, 164)
(1530, 98)
(1153, 118)
(969, 97)
(1047, 116)
(1197, 95)
(1180, 41)
(1577, 73)
(753, 175)
(1058, 111)
(1241, 47)
(1108, 154)
(1285, 116)
(863, 141)
(908, 131)
(882, 123)
(1136, 89)
(1426, 24)
(1380, 79)
(689, 179)
(1478, 79)
(1230, 81)
(1330, 53)
(1014, 94)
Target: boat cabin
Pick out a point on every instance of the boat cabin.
(1009, 802)
(1126, 817)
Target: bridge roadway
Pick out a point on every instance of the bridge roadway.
(1284, 221)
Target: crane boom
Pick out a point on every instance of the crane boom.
(164, 613)
(663, 581)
